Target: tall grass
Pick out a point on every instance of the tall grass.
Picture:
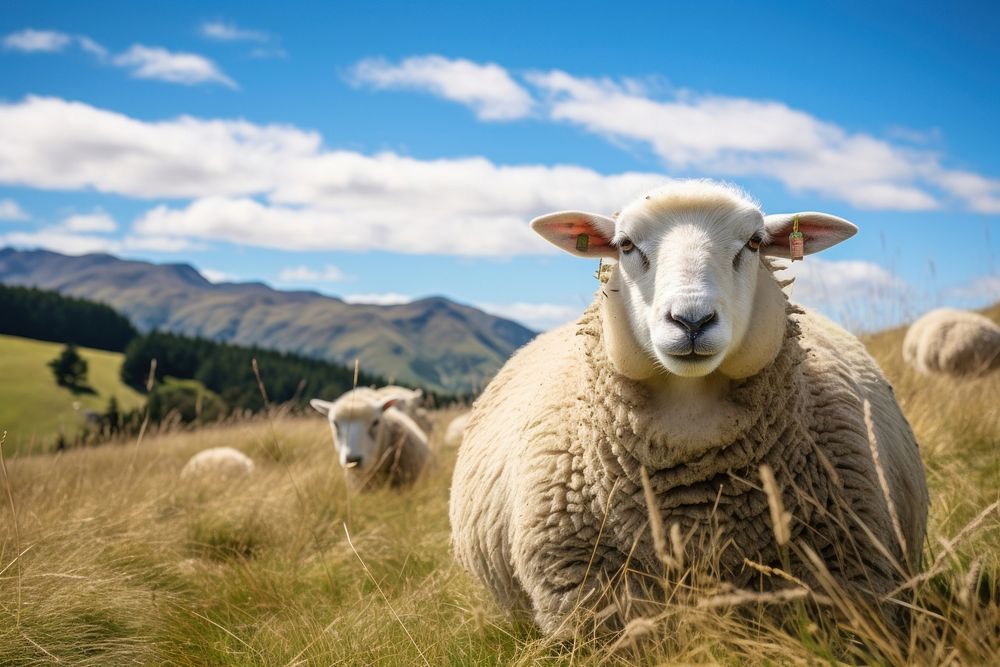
(105, 559)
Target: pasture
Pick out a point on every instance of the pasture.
(106, 559)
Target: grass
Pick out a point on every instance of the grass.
(111, 561)
(34, 409)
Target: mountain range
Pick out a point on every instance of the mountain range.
(432, 342)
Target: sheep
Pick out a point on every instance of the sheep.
(692, 367)
(377, 443)
(218, 462)
(953, 342)
(411, 402)
(456, 428)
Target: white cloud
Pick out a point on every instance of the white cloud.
(92, 47)
(215, 276)
(981, 290)
(537, 316)
(863, 296)
(37, 41)
(275, 186)
(230, 32)
(304, 274)
(385, 299)
(98, 221)
(153, 62)
(10, 210)
(486, 88)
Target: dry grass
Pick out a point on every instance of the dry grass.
(112, 561)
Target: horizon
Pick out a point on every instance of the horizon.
(383, 161)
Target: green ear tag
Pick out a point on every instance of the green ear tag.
(582, 242)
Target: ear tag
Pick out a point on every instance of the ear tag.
(582, 242)
(796, 241)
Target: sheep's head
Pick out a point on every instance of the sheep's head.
(357, 422)
(689, 293)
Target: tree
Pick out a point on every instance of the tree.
(69, 368)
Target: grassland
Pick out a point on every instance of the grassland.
(110, 561)
(34, 409)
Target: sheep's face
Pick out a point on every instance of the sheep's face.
(685, 288)
(358, 431)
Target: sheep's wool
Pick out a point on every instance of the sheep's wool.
(562, 509)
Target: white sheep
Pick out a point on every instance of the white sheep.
(456, 429)
(410, 401)
(953, 342)
(377, 444)
(218, 462)
(692, 365)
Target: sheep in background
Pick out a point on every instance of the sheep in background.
(219, 462)
(456, 429)
(953, 342)
(410, 401)
(692, 367)
(376, 442)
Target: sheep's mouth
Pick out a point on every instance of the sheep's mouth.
(692, 356)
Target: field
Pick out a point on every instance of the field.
(34, 409)
(111, 561)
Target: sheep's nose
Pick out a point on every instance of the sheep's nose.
(693, 323)
(352, 460)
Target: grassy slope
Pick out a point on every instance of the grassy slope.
(33, 408)
(125, 565)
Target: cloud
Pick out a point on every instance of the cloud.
(275, 185)
(862, 296)
(537, 316)
(153, 62)
(304, 274)
(981, 290)
(92, 47)
(707, 134)
(79, 234)
(385, 299)
(37, 41)
(485, 88)
(10, 210)
(98, 221)
(214, 276)
(230, 32)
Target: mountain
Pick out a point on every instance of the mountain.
(432, 342)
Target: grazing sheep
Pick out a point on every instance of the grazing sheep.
(376, 442)
(953, 342)
(692, 366)
(219, 462)
(411, 402)
(453, 436)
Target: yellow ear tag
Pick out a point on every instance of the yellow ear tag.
(582, 242)
(796, 241)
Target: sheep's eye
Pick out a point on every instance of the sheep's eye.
(626, 246)
(371, 429)
(754, 243)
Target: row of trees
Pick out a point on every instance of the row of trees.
(43, 315)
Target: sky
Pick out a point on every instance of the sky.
(387, 151)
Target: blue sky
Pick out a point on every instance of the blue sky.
(396, 150)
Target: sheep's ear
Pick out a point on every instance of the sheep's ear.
(388, 404)
(819, 231)
(578, 233)
(323, 407)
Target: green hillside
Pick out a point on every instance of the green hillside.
(33, 408)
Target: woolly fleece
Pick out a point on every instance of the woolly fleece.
(953, 342)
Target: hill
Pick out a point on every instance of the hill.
(34, 409)
(433, 342)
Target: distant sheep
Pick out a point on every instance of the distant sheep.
(456, 428)
(218, 461)
(376, 443)
(692, 367)
(953, 342)
(410, 401)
